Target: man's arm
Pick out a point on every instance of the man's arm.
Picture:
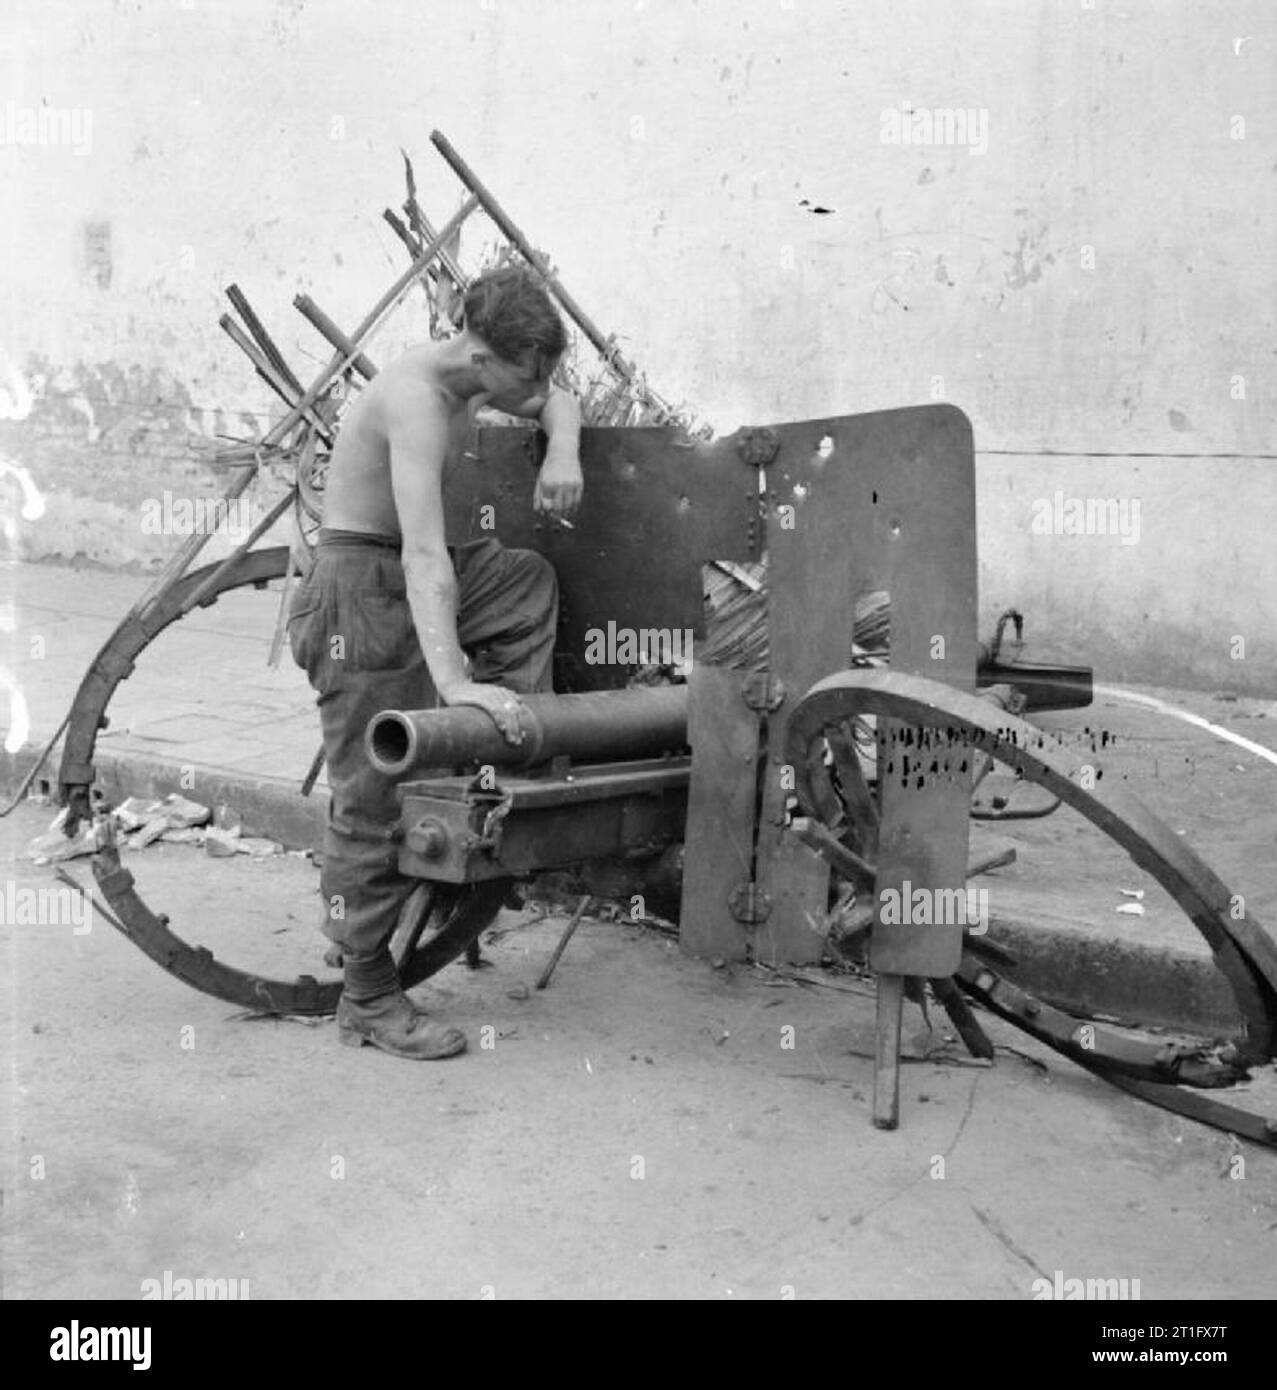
(559, 483)
(418, 436)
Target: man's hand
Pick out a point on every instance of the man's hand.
(503, 705)
(559, 484)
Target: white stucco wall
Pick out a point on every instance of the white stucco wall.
(1100, 278)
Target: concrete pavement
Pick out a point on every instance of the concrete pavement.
(648, 1127)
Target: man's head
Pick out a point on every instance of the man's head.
(521, 337)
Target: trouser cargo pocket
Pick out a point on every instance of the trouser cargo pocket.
(377, 631)
(305, 628)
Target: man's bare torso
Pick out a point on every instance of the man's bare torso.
(358, 494)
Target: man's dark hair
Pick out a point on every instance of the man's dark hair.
(510, 311)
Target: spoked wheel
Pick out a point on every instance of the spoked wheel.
(445, 920)
(829, 789)
(439, 922)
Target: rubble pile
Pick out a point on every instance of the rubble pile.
(138, 822)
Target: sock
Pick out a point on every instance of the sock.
(369, 975)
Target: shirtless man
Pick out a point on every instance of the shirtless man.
(389, 612)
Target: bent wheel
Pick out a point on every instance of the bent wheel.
(1243, 951)
(453, 915)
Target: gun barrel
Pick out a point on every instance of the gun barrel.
(600, 726)
(1045, 687)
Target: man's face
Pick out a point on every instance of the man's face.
(515, 387)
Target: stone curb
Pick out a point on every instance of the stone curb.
(270, 806)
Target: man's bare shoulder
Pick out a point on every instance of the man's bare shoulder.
(409, 391)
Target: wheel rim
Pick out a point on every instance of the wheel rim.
(453, 917)
(1243, 951)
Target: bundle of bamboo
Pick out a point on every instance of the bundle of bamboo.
(611, 390)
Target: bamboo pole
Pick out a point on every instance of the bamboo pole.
(262, 338)
(320, 321)
(268, 372)
(343, 360)
(339, 363)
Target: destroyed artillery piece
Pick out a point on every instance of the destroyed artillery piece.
(777, 806)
